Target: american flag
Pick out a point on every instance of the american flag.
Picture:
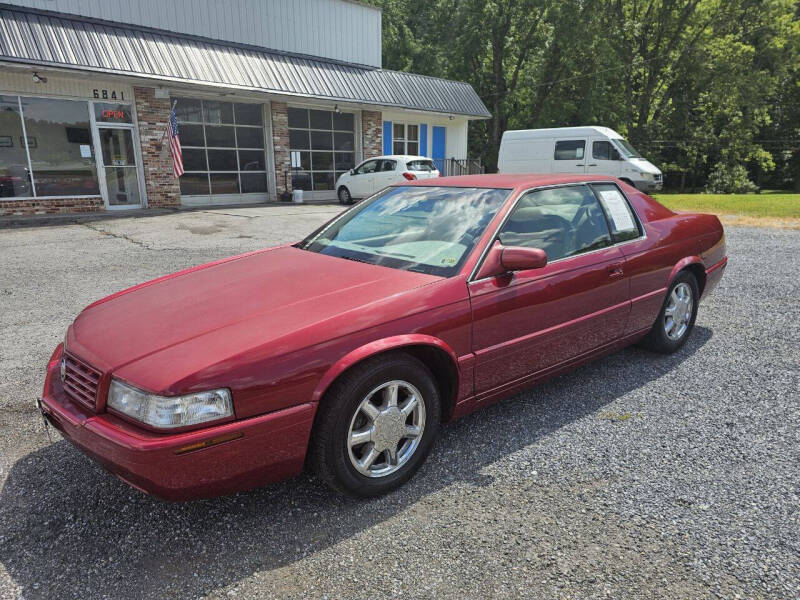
(175, 144)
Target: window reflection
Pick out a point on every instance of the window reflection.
(14, 176)
(60, 143)
(426, 229)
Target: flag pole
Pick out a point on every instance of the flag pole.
(174, 104)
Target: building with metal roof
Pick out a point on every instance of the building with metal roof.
(269, 96)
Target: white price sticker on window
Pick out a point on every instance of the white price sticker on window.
(617, 210)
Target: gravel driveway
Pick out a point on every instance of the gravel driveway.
(637, 476)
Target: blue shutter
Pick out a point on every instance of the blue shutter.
(387, 137)
(423, 140)
(438, 148)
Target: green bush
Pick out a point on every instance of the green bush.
(729, 179)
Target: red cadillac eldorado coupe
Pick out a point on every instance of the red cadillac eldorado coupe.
(345, 352)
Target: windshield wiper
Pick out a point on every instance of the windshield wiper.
(354, 259)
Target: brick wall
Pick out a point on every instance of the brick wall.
(280, 145)
(371, 133)
(153, 113)
(49, 206)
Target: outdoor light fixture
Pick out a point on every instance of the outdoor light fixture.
(38, 78)
(336, 109)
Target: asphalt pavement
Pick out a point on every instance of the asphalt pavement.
(636, 476)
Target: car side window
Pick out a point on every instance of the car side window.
(604, 151)
(388, 165)
(368, 167)
(570, 150)
(621, 217)
(561, 221)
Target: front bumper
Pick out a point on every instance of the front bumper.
(647, 185)
(253, 451)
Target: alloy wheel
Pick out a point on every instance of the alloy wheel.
(678, 314)
(386, 429)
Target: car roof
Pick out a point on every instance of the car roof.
(504, 181)
(564, 132)
(405, 157)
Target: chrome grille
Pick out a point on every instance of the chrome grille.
(80, 381)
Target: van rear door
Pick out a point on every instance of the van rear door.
(569, 156)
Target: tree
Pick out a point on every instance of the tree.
(697, 84)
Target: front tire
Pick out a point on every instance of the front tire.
(677, 316)
(344, 196)
(375, 426)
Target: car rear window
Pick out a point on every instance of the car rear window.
(421, 165)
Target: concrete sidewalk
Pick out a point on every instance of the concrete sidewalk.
(44, 220)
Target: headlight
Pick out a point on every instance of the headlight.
(170, 411)
(646, 175)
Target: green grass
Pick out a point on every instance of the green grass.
(778, 205)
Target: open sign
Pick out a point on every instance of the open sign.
(112, 113)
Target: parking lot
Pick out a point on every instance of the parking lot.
(636, 476)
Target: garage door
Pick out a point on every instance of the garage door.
(223, 152)
(322, 146)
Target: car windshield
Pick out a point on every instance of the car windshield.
(424, 229)
(626, 149)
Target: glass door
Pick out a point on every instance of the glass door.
(119, 167)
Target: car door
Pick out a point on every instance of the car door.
(604, 158)
(362, 180)
(385, 175)
(569, 156)
(531, 321)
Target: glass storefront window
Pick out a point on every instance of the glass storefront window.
(15, 180)
(60, 145)
(60, 157)
(223, 147)
(322, 146)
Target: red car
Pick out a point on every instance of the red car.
(346, 351)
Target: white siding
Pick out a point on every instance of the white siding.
(21, 83)
(455, 138)
(337, 29)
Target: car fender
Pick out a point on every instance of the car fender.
(682, 264)
(374, 348)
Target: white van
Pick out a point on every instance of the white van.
(576, 150)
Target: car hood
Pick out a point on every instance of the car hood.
(646, 166)
(264, 296)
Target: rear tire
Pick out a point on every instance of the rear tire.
(369, 435)
(676, 318)
(344, 196)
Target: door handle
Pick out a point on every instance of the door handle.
(615, 271)
(579, 165)
(593, 164)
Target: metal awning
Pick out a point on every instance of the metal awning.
(57, 40)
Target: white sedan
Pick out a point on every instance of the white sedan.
(374, 174)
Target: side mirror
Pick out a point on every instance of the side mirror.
(615, 154)
(502, 261)
(352, 171)
(516, 258)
